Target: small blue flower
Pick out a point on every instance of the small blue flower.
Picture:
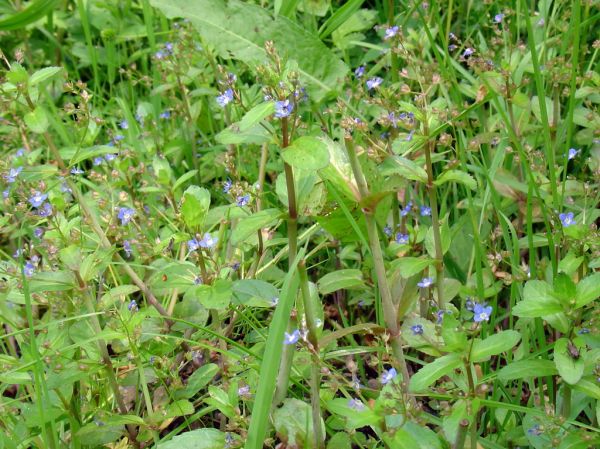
(132, 306)
(29, 269)
(468, 52)
(12, 174)
(127, 248)
(583, 331)
(356, 404)
(440, 316)
(38, 232)
(5, 194)
(20, 152)
(469, 304)
(124, 124)
(535, 430)
(567, 219)
(283, 108)
(387, 230)
(118, 138)
(198, 280)
(425, 282)
(452, 47)
(225, 98)
(169, 47)
(110, 157)
(481, 312)
(159, 54)
(242, 200)
(165, 115)
(374, 83)
(391, 32)
(208, 241)
(291, 339)
(410, 135)
(37, 199)
(498, 18)
(125, 215)
(356, 382)
(401, 239)
(98, 161)
(227, 186)
(573, 153)
(425, 211)
(388, 375)
(274, 301)
(64, 187)
(244, 390)
(417, 329)
(406, 210)
(45, 210)
(77, 171)
(541, 22)
(193, 244)
(360, 71)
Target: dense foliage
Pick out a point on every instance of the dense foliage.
(299, 224)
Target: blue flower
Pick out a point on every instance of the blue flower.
(12, 174)
(425, 282)
(469, 304)
(391, 32)
(567, 219)
(468, 52)
(198, 280)
(535, 430)
(127, 248)
(410, 135)
(110, 157)
(193, 244)
(387, 230)
(481, 312)
(159, 54)
(373, 83)
(165, 115)
(227, 186)
(45, 210)
(425, 211)
(406, 210)
(98, 161)
(356, 404)
(583, 331)
(124, 124)
(225, 98)
(38, 232)
(77, 171)
(244, 390)
(5, 193)
(401, 239)
(20, 152)
(360, 71)
(417, 329)
(242, 200)
(440, 316)
(573, 153)
(208, 241)
(283, 108)
(125, 215)
(37, 199)
(29, 269)
(291, 339)
(274, 301)
(388, 375)
(498, 18)
(132, 306)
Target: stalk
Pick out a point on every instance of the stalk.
(390, 310)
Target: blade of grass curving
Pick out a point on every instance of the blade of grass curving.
(339, 17)
(34, 11)
(271, 358)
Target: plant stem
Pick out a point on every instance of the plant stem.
(435, 224)
(390, 310)
(315, 373)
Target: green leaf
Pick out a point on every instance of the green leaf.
(239, 30)
(233, 135)
(527, 368)
(493, 345)
(250, 225)
(255, 115)
(589, 387)
(457, 176)
(216, 296)
(564, 288)
(588, 290)
(181, 407)
(183, 178)
(117, 292)
(339, 17)
(200, 379)
(43, 75)
(445, 237)
(569, 367)
(430, 373)
(409, 266)
(354, 418)
(293, 423)
(36, 120)
(196, 202)
(340, 279)
(35, 10)
(308, 153)
(398, 165)
(254, 293)
(196, 439)
(538, 301)
(51, 281)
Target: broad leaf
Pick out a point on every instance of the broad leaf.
(196, 439)
(568, 360)
(588, 290)
(527, 368)
(250, 225)
(538, 300)
(340, 279)
(308, 153)
(494, 344)
(196, 201)
(431, 372)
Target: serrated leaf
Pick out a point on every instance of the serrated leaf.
(198, 380)
(398, 165)
(433, 371)
(588, 290)
(538, 300)
(308, 153)
(569, 367)
(457, 176)
(44, 75)
(196, 202)
(493, 345)
(36, 120)
(196, 439)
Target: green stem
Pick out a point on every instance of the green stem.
(461, 435)
(435, 224)
(390, 310)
